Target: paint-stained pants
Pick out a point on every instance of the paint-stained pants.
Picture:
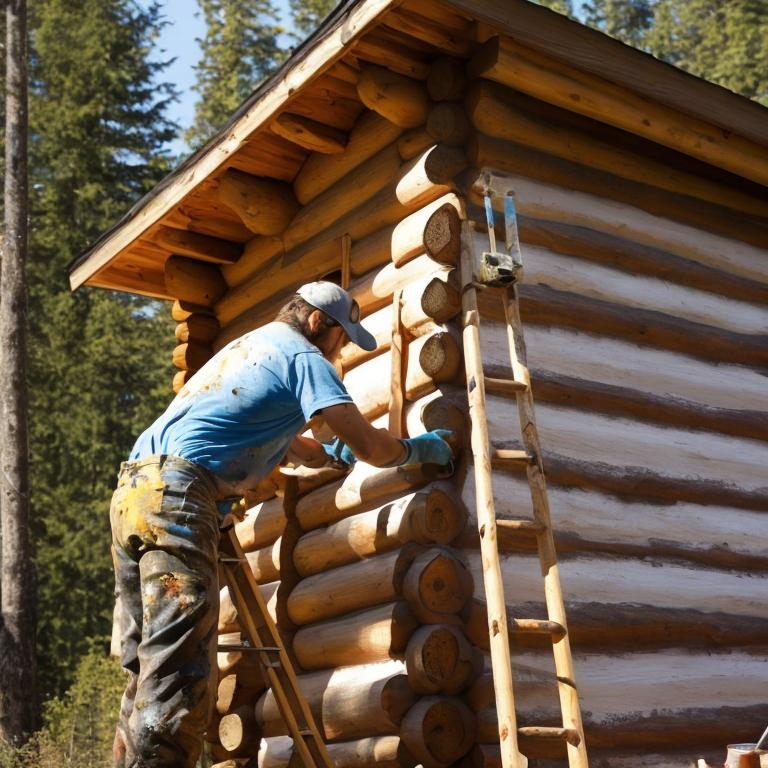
(165, 536)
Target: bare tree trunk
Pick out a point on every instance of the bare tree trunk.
(18, 700)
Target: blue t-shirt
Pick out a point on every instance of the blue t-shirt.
(239, 413)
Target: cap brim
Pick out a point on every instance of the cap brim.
(358, 335)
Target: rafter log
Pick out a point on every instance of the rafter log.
(310, 134)
(265, 206)
(447, 79)
(194, 281)
(197, 246)
(400, 99)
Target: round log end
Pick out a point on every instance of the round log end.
(439, 659)
(238, 732)
(442, 235)
(447, 79)
(438, 730)
(441, 300)
(437, 583)
(440, 357)
(438, 520)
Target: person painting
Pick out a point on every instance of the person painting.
(226, 430)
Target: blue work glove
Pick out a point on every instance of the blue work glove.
(429, 448)
(339, 451)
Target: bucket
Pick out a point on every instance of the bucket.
(742, 756)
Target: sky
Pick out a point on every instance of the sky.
(179, 40)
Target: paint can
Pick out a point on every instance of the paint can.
(742, 756)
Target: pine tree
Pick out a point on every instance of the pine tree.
(240, 49)
(99, 361)
(725, 42)
(307, 15)
(561, 6)
(626, 20)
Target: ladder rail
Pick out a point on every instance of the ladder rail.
(486, 519)
(569, 700)
(291, 702)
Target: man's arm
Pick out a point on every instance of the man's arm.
(371, 445)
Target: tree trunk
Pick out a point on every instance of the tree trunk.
(18, 715)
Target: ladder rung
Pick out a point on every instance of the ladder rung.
(537, 627)
(510, 456)
(545, 732)
(504, 386)
(520, 526)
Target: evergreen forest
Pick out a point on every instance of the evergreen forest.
(98, 140)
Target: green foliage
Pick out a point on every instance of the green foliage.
(99, 362)
(239, 50)
(79, 726)
(561, 6)
(627, 20)
(724, 41)
(307, 15)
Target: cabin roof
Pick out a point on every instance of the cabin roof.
(318, 80)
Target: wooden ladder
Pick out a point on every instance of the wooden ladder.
(264, 639)
(485, 455)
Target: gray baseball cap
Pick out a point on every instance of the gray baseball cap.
(338, 304)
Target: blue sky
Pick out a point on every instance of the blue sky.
(178, 40)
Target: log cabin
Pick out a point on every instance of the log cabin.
(643, 220)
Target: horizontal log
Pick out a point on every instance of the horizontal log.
(614, 251)
(447, 79)
(432, 360)
(497, 112)
(198, 246)
(197, 328)
(375, 634)
(431, 516)
(182, 310)
(613, 285)
(265, 206)
(194, 281)
(414, 142)
(415, 185)
(622, 364)
(371, 752)
(228, 612)
(399, 99)
(509, 157)
(434, 583)
(310, 134)
(230, 695)
(615, 581)
(348, 703)
(370, 134)
(364, 488)
(377, 48)
(508, 62)
(549, 202)
(244, 666)
(351, 587)
(265, 563)
(192, 355)
(625, 627)
(434, 230)
(438, 730)
(426, 29)
(543, 305)
(262, 524)
(589, 521)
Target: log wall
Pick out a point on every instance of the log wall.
(644, 305)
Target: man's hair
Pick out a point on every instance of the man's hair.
(296, 313)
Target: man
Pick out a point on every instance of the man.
(223, 433)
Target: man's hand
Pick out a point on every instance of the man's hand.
(429, 448)
(340, 451)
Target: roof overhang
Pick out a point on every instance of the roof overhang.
(130, 257)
